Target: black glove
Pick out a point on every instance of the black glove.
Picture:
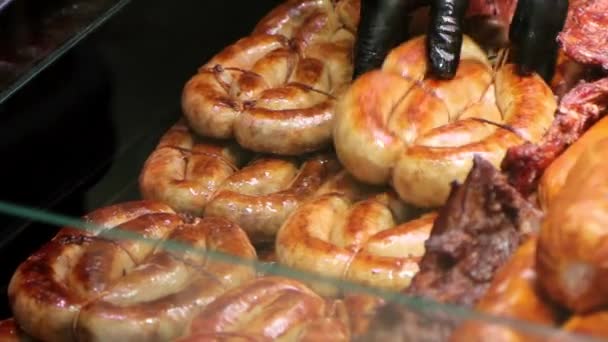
(533, 34)
(384, 24)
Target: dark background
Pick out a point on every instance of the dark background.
(75, 137)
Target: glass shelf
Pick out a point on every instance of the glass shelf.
(33, 34)
(398, 316)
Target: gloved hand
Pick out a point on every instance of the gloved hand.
(533, 33)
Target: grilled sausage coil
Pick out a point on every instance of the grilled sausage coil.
(185, 170)
(362, 241)
(83, 285)
(274, 91)
(393, 125)
(268, 309)
(215, 178)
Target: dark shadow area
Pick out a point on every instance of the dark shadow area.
(109, 96)
(54, 136)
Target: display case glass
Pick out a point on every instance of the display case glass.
(152, 48)
(371, 314)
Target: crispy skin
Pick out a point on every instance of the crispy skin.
(397, 126)
(268, 309)
(369, 242)
(84, 285)
(218, 178)
(585, 33)
(184, 171)
(274, 90)
(482, 224)
(580, 108)
(594, 324)
(261, 196)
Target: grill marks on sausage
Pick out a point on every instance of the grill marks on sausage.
(267, 309)
(296, 46)
(187, 166)
(257, 191)
(312, 69)
(422, 140)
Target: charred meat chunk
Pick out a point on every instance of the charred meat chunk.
(579, 109)
(483, 222)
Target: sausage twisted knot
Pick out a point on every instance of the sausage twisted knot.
(396, 125)
(274, 91)
(83, 282)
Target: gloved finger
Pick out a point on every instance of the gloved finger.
(383, 25)
(444, 38)
(533, 33)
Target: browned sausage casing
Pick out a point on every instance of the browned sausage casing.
(362, 241)
(184, 171)
(82, 286)
(216, 178)
(268, 309)
(395, 126)
(274, 91)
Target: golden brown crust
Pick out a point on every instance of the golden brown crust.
(572, 246)
(215, 178)
(184, 170)
(421, 134)
(365, 242)
(515, 294)
(268, 309)
(81, 283)
(595, 324)
(274, 91)
(263, 194)
(555, 176)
